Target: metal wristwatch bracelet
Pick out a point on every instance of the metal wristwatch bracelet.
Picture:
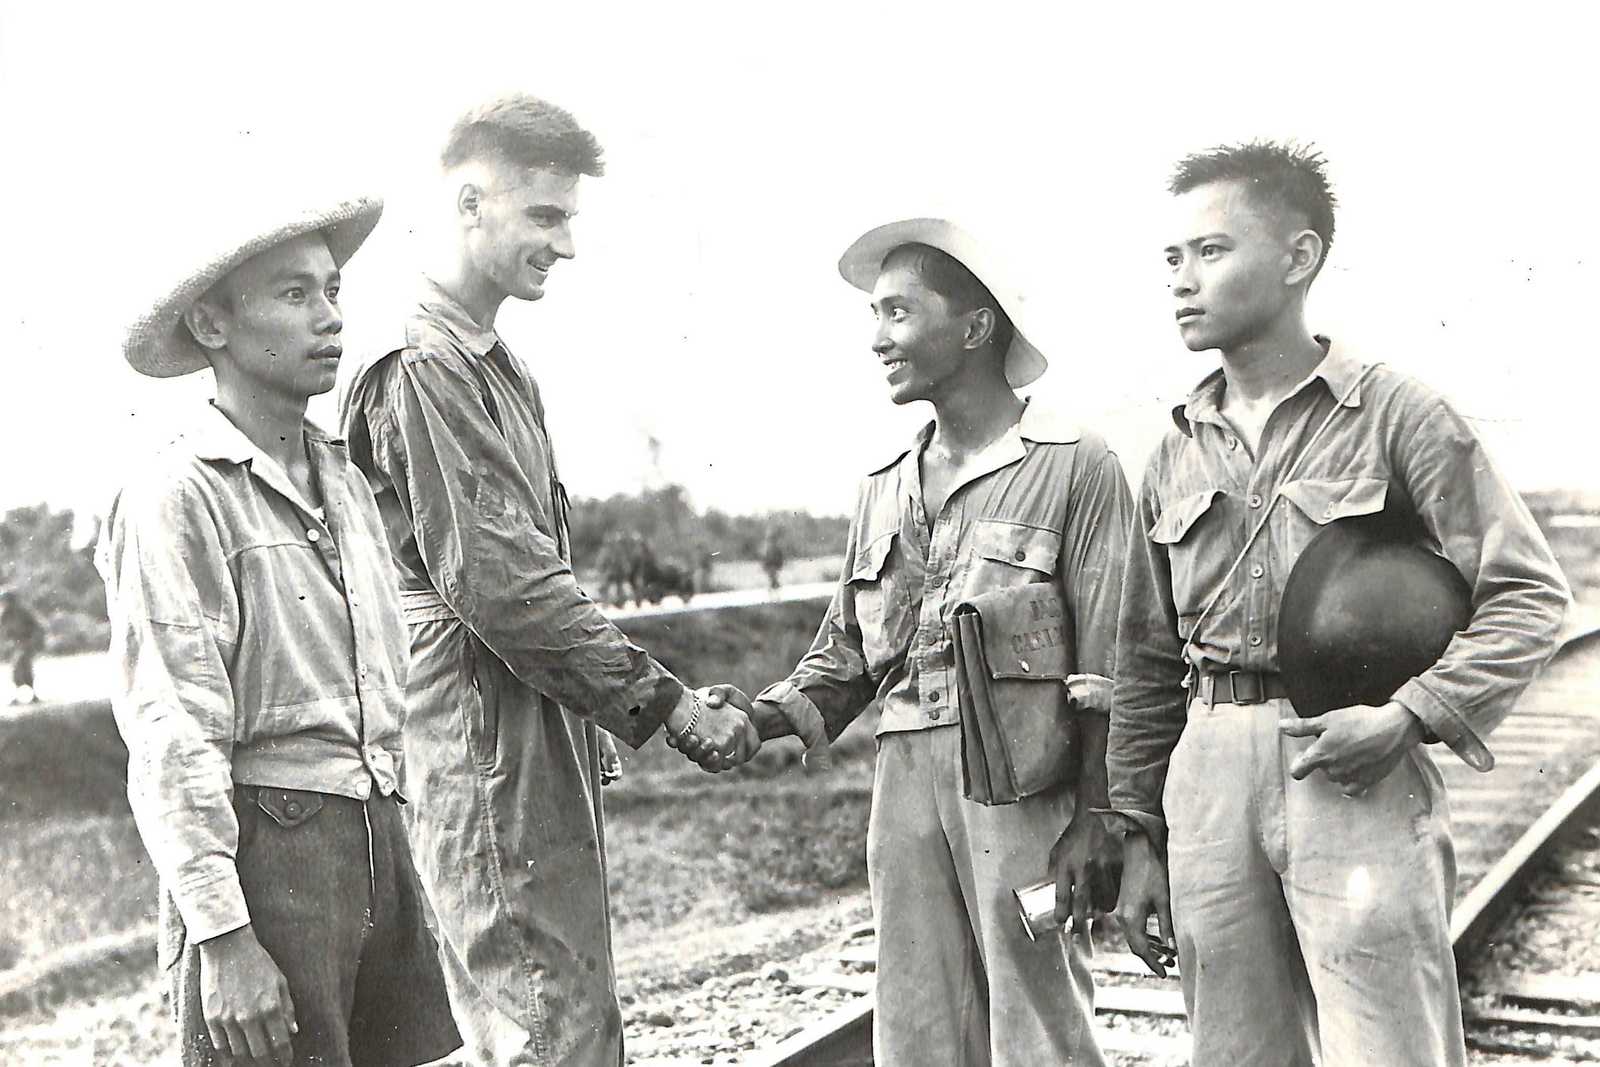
(694, 717)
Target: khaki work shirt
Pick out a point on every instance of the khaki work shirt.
(450, 430)
(255, 642)
(1202, 495)
(1043, 503)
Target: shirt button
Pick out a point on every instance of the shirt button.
(1257, 571)
(313, 536)
(1255, 500)
(364, 788)
(292, 809)
(1255, 640)
(1021, 555)
(935, 713)
(933, 697)
(1233, 443)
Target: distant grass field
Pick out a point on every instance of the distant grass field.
(680, 841)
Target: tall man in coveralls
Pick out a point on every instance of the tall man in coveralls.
(996, 492)
(1310, 863)
(512, 666)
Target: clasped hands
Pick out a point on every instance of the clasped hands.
(723, 734)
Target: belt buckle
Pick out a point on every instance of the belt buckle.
(1258, 696)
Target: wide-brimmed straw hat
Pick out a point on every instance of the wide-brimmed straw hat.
(159, 343)
(863, 260)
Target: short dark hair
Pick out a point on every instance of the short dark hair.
(950, 278)
(1282, 177)
(525, 132)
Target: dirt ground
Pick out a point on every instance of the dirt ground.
(700, 915)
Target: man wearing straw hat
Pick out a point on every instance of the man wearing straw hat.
(997, 493)
(513, 667)
(1310, 862)
(262, 664)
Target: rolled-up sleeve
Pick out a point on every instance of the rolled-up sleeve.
(831, 685)
(478, 526)
(1147, 705)
(1519, 596)
(167, 591)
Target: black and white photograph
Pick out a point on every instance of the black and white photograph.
(830, 535)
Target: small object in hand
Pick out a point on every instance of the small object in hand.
(1036, 904)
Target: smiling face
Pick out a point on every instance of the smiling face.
(520, 225)
(273, 323)
(1237, 268)
(922, 340)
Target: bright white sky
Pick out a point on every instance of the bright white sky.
(746, 149)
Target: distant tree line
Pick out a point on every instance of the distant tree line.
(59, 582)
(38, 560)
(675, 531)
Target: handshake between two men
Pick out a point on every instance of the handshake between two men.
(725, 728)
(719, 727)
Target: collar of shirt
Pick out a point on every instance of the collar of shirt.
(1339, 370)
(453, 318)
(1037, 424)
(214, 437)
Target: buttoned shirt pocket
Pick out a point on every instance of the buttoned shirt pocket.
(1319, 501)
(1010, 553)
(1196, 570)
(882, 606)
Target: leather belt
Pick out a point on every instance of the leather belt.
(1239, 687)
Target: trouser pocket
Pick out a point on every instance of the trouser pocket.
(481, 700)
(288, 808)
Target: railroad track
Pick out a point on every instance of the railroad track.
(1542, 797)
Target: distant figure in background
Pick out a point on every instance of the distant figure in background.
(617, 568)
(22, 630)
(772, 556)
(260, 653)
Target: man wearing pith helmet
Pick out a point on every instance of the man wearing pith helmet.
(1303, 865)
(996, 495)
(261, 662)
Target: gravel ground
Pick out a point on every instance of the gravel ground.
(714, 997)
(1554, 933)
